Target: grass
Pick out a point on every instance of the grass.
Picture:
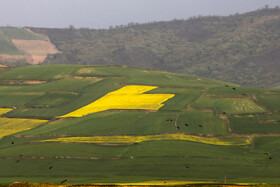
(20, 34)
(13, 100)
(38, 72)
(182, 98)
(201, 122)
(272, 101)
(8, 48)
(172, 142)
(228, 105)
(251, 125)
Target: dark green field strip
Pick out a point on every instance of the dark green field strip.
(163, 79)
(133, 123)
(148, 77)
(20, 33)
(189, 122)
(49, 72)
(269, 117)
(269, 144)
(33, 95)
(97, 123)
(50, 100)
(66, 84)
(160, 168)
(52, 150)
(231, 90)
(180, 101)
(186, 149)
(270, 101)
(251, 125)
(201, 122)
(9, 100)
(109, 123)
(100, 70)
(36, 113)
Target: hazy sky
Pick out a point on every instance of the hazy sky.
(103, 13)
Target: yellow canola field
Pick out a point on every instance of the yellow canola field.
(4, 110)
(11, 125)
(157, 183)
(128, 97)
(138, 139)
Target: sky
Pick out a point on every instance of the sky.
(104, 13)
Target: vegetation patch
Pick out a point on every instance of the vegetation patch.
(138, 139)
(12, 126)
(251, 125)
(229, 105)
(128, 97)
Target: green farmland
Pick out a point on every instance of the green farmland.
(232, 132)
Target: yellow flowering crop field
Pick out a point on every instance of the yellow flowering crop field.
(156, 183)
(4, 110)
(128, 97)
(137, 139)
(11, 125)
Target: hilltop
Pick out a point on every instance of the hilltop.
(21, 46)
(74, 124)
(242, 49)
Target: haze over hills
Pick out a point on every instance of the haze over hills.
(242, 49)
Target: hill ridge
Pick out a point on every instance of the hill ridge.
(241, 48)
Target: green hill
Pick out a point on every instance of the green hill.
(243, 49)
(9, 33)
(21, 46)
(120, 124)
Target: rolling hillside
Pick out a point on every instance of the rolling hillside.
(243, 49)
(19, 46)
(74, 124)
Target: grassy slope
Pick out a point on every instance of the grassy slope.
(9, 33)
(243, 49)
(65, 91)
(20, 34)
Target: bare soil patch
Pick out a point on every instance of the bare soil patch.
(35, 50)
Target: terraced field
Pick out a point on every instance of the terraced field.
(19, 45)
(125, 125)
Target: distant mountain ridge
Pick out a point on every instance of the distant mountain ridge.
(243, 49)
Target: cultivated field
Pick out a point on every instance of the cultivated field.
(24, 45)
(125, 125)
